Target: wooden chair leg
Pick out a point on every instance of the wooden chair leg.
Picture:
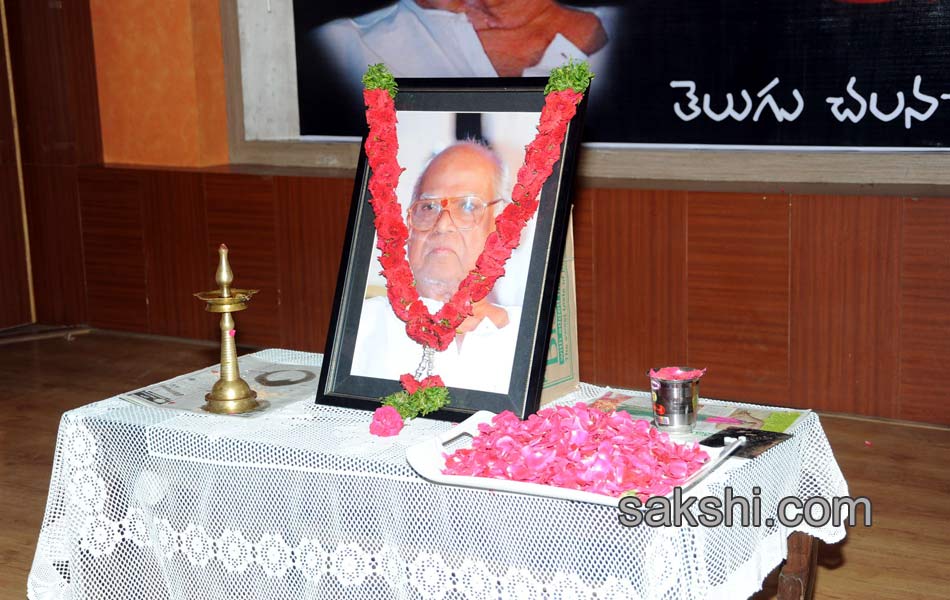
(796, 581)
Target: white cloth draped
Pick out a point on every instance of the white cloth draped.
(302, 502)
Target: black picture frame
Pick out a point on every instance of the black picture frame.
(338, 385)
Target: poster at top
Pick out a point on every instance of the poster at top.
(871, 74)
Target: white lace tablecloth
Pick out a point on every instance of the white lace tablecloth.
(302, 502)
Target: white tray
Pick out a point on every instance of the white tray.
(427, 459)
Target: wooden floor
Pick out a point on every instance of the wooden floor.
(904, 469)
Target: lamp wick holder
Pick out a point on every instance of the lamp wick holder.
(230, 395)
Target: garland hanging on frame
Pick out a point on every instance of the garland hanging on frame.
(424, 392)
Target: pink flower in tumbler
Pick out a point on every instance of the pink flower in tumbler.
(386, 422)
(677, 373)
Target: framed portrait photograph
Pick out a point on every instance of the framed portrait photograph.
(461, 143)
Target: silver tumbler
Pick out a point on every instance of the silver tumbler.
(675, 403)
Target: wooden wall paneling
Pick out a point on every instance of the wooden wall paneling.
(639, 284)
(41, 80)
(738, 254)
(583, 223)
(845, 305)
(925, 310)
(114, 248)
(81, 79)
(7, 142)
(54, 71)
(176, 255)
(56, 251)
(15, 290)
(241, 214)
(311, 227)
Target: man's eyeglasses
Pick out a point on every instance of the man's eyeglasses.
(466, 211)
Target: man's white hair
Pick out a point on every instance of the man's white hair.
(499, 181)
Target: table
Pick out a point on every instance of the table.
(301, 502)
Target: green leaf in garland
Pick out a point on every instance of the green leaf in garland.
(432, 399)
(399, 401)
(378, 77)
(573, 75)
(421, 403)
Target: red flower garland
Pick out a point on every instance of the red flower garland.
(437, 331)
(411, 384)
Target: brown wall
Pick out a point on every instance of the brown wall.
(837, 303)
(54, 82)
(14, 285)
(150, 240)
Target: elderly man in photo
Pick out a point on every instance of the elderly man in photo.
(460, 38)
(451, 214)
(468, 38)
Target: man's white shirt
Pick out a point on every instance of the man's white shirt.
(483, 361)
(422, 42)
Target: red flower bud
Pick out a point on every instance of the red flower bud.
(377, 98)
(509, 231)
(409, 383)
(432, 381)
(388, 228)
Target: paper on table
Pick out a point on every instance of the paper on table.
(275, 383)
(710, 418)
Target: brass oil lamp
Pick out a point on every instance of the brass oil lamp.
(230, 395)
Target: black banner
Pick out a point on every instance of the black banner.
(817, 73)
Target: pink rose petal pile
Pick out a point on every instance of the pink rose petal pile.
(581, 448)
